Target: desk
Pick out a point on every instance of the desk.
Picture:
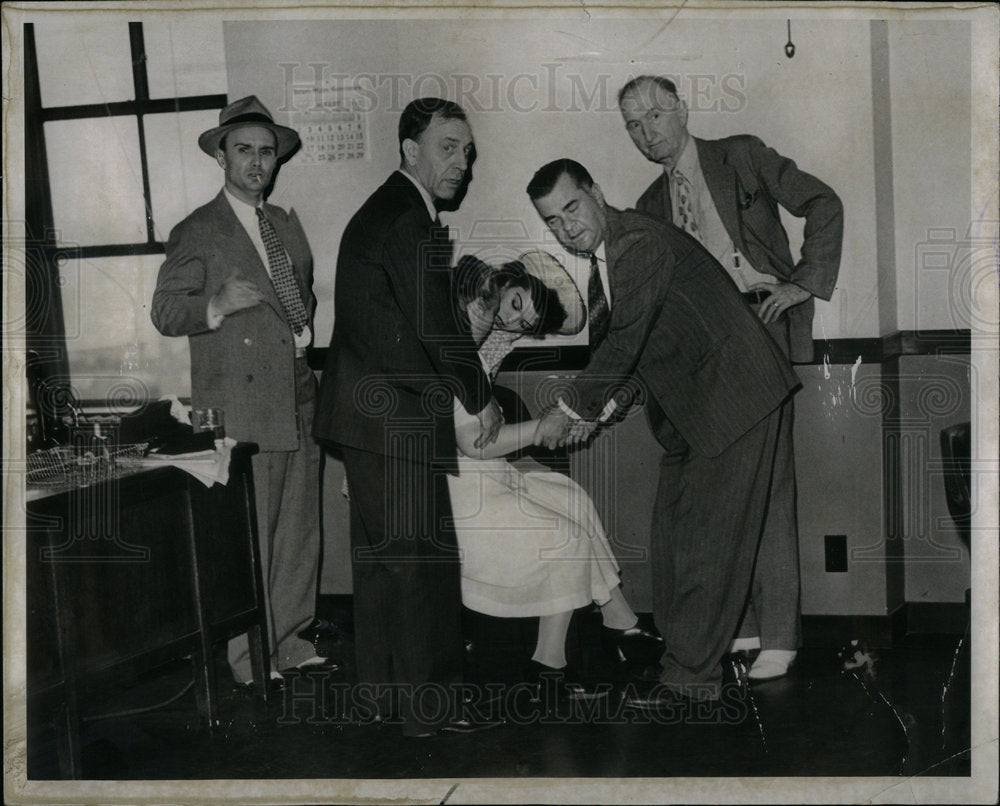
(134, 572)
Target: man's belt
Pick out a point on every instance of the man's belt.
(300, 352)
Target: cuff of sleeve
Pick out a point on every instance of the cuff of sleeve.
(607, 411)
(212, 318)
(567, 410)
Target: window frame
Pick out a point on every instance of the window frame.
(48, 369)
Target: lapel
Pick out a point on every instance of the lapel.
(405, 188)
(612, 237)
(238, 250)
(722, 185)
(660, 198)
(438, 234)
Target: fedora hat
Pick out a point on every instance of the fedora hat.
(248, 112)
(551, 272)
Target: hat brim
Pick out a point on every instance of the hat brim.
(550, 271)
(287, 139)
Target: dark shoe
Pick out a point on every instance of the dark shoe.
(320, 630)
(564, 683)
(470, 725)
(635, 645)
(314, 665)
(274, 686)
(414, 730)
(648, 674)
(653, 698)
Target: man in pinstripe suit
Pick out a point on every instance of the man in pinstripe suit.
(715, 385)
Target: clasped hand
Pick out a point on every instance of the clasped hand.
(556, 429)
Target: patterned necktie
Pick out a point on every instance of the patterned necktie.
(597, 305)
(685, 208)
(282, 276)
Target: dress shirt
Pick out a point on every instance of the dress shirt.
(247, 216)
(712, 232)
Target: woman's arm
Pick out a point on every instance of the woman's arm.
(512, 438)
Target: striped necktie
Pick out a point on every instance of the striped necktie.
(599, 312)
(282, 276)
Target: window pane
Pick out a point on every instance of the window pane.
(83, 62)
(185, 57)
(115, 353)
(96, 181)
(181, 176)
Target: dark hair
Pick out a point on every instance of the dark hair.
(663, 82)
(548, 175)
(475, 279)
(418, 114)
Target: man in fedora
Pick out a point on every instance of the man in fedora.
(237, 282)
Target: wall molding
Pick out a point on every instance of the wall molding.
(910, 618)
(833, 351)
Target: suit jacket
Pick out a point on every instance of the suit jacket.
(748, 181)
(246, 366)
(398, 358)
(679, 323)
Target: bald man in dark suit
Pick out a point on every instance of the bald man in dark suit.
(715, 385)
(396, 362)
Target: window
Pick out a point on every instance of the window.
(113, 112)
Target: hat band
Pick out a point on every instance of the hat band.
(250, 117)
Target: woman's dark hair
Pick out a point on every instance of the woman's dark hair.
(475, 279)
(551, 313)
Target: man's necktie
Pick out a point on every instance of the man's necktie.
(282, 276)
(685, 207)
(599, 312)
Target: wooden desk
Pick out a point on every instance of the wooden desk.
(134, 572)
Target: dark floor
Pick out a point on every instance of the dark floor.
(887, 716)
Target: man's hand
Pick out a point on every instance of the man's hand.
(490, 420)
(551, 429)
(235, 295)
(783, 296)
(580, 431)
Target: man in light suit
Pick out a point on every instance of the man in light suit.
(726, 194)
(396, 363)
(715, 386)
(237, 281)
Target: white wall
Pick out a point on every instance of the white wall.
(540, 97)
(930, 70)
(542, 89)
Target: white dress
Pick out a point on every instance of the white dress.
(532, 543)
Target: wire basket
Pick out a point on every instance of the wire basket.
(83, 464)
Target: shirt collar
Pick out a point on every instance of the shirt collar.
(244, 212)
(428, 200)
(687, 162)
